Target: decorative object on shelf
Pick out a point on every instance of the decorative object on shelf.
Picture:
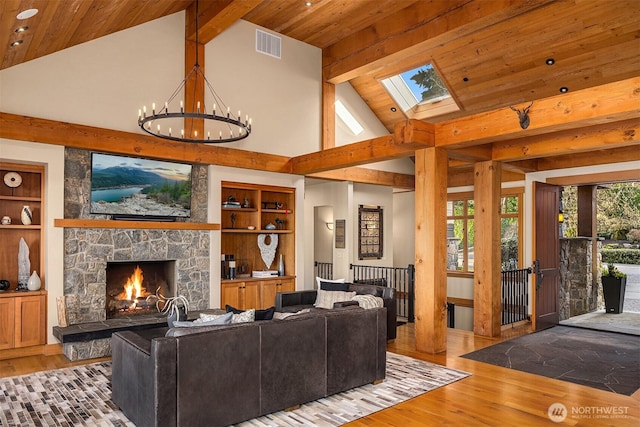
(231, 202)
(232, 270)
(251, 227)
(245, 203)
(272, 205)
(26, 216)
(269, 227)
(4, 285)
(281, 266)
(12, 179)
(233, 220)
(279, 223)
(34, 282)
(268, 251)
(176, 308)
(6, 220)
(24, 265)
(219, 125)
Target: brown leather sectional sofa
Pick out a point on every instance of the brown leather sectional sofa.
(221, 375)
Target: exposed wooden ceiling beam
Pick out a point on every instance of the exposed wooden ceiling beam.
(608, 135)
(414, 30)
(592, 158)
(215, 17)
(32, 129)
(587, 107)
(369, 176)
(477, 153)
(409, 135)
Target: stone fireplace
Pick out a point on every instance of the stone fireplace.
(89, 253)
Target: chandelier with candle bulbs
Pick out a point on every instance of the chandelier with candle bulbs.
(177, 123)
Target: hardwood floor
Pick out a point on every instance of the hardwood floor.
(493, 395)
(490, 396)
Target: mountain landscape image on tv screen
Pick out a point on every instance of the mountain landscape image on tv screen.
(139, 187)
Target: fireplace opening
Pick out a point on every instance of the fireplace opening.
(129, 284)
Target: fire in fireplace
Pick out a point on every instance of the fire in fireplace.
(129, 284)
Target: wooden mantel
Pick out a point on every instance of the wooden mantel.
(105, 223)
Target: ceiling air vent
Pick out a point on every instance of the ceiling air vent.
(268, 44)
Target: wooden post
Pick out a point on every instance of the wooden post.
(328, 115)
(587, 203)
(431, 250)
(487, 249)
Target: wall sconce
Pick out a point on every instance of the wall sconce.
(329, 225)
(560, 216)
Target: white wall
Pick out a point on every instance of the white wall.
(52, 157)
(283, 96)
(105, 82)
(337, 195)
(404, 226)
(322, 235)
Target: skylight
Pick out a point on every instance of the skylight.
(417, 92)
(348, 119)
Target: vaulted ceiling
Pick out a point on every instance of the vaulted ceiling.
(491, 55)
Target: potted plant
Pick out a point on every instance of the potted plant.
(175, 308)
(614, 283)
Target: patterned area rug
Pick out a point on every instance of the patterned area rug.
(82, 396)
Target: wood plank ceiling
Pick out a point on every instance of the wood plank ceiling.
(491, 54)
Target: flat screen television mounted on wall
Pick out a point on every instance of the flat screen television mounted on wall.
(136, 188)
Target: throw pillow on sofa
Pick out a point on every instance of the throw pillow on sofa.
(266, 314)
(334, 286)
(326, 299)
(244, 317)
(208, 319)
(320, 279)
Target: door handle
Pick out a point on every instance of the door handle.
(539, 274)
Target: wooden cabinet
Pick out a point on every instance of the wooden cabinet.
(29, 192)
(254, 293)
(23, 317)
(249, 211)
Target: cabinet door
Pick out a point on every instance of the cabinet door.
(7, 318)
(29, 321)
(287, 285)
(251, 295)
(268, 289)
(231, 294)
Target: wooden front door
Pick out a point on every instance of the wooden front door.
(546, 255)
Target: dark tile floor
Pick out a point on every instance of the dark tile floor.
(604, 360)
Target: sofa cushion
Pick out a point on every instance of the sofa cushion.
(282, 316)
(326, 299)
(320, 279)
(206, 320)
(265, 314)
(334, 286)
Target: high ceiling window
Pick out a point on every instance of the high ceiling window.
(420, 92)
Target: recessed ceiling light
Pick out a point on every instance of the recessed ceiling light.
(550, 61)
(16, 43)
(564, 89)
(465, 79)
(308, 3)
(26, 14)
(394, 109)
(21, 29)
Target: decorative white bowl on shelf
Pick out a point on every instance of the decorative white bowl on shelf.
(251, 227)
(269, 227)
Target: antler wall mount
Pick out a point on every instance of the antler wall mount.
(523, 116)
